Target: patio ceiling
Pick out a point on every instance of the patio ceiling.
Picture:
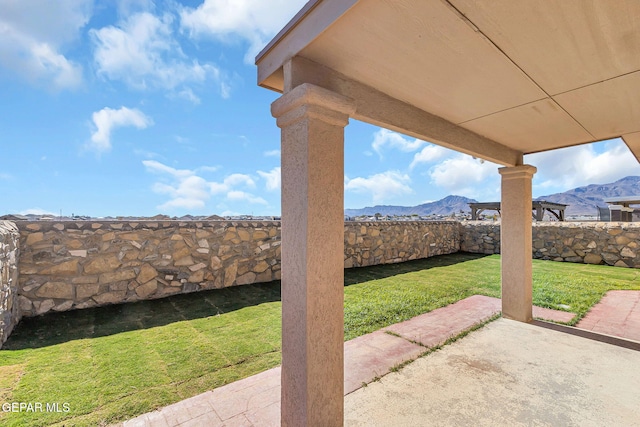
(495, 79)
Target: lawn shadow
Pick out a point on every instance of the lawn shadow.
(57, 328)
(357, 275)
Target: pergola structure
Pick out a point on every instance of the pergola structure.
(495, 79)
(538, 206)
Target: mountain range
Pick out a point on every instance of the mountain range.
(580, 201)
(446, 206)
(583, 200)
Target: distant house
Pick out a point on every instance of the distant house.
(12, 217)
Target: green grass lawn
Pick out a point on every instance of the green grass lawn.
(114, 363)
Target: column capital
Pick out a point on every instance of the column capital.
(521, 171)
(308, 100)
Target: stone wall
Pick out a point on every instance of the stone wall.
(372, 243)
(80, 264)
(611, 243)
(9, 254)
(480, 237)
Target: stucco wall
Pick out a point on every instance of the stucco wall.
(77, 264)
(611, 243)
(9, 253)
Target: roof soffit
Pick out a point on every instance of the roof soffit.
(565, 44)
(467, 76)
(633, 142)
(527, 77)
(377, 108)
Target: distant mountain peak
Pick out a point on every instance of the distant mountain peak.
(581, 201)
(446, 206)
(584, 200)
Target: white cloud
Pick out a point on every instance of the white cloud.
(189, 96)
(255, 21)
(465, 176)
(238, 179)
(429, 154)
(108, 119)
(5, 176)
(33, 35)
(272, 153)
(225, 90)
(143, 53)
(187, 190)
(241, 196)
(37, 211)
(231, 181)
(189, 193)
(157, 167)
(381, 186)
(146, 153)
(386, 138)
(582, 165)
(272, 178)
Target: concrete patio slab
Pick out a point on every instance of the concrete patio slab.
(617, 314)
(255, 401)
(507, 373)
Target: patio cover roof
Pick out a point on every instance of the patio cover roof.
(495, 79)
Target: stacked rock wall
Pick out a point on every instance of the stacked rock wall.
(80, 264)
(611, 243)
(480, 237)
(372, 243)
(9, 254)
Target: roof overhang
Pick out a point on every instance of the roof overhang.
(496, 79)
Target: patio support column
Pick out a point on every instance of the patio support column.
(312, 120)
(515, 247)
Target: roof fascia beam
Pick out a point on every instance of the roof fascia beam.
(314, 18)
(379, 109)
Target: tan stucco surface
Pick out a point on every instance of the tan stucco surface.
(515, 236)
(312, 122)
(633, 142)
(531, 76)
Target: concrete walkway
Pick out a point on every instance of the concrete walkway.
(255, 401)
(507, 374)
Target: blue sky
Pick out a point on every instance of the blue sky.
(139, 108)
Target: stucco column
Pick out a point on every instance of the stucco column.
(515, 246)
(312, 120)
